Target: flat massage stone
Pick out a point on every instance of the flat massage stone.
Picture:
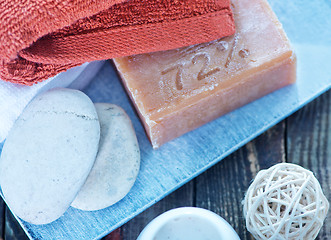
(117, 163)
(48, 155)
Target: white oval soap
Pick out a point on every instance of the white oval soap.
(117, 164)
(48, 155)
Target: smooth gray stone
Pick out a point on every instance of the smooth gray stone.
(117, 164)
(48, 155)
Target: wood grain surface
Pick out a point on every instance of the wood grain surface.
(304, 138)
(2, 218)
(309, 145)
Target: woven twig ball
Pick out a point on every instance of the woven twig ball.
(285, 202)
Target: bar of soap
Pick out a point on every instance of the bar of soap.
(179, 90)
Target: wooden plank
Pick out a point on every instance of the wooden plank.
(115, 235)
(309, 145)
(13, 231)
(222, 188)
(182, 197)
(2, 219)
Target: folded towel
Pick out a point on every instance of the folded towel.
(39, 39)
(14, 97)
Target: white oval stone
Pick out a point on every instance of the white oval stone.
(117, 163)
(48, 155)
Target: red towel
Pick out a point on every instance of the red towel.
(40, 38)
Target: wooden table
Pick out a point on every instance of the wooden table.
(304, 138)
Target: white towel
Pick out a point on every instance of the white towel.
(14, 97)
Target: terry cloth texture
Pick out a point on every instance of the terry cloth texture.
(40, 39)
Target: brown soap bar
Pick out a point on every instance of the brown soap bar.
(179, 90)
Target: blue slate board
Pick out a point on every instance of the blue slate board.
(308, 25)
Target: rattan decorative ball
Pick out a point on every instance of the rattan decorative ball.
(285, 202)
